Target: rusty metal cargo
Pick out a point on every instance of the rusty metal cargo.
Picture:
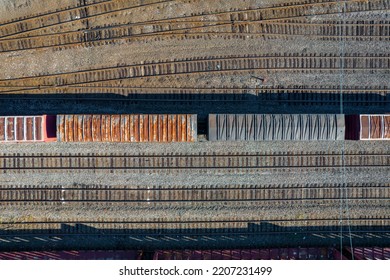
(259, 127)
(127, 128)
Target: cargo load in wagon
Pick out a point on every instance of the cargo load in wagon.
(270, 127)
(127, 128)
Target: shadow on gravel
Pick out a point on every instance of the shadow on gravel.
(264, 234)
(201, 104)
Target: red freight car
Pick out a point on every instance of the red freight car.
(374, 127)
(27, 129)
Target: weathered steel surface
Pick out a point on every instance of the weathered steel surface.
(256, 127)
(375, 127)
(21, 128)
(127, 128)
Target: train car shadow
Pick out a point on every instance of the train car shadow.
(201, 104)
(255, 235)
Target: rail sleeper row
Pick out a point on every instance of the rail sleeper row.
(332, 7)
(42, 22)
(177, 163)
(189, 195)
(192, 227)
(299, 63)
(349, 31)
(100, 187)
(30, 16)
(78, 14)
(277, 96)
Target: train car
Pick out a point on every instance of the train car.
(15, 129)
(374, 127)
(71, 255)
(183, 128)
(261, 127)
(370, 253)
(250, 254)
(367, 127)
(127, 128)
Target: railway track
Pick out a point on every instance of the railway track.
(233, 162)
(279, 96)
(179, 226)
(309, 63)
(31, 16)
(167, 96)
(187, 97)
(79, 14)
(66, 20)
(138, 195)
(371, 30)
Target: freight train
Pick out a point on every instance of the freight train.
(301, 253)
(183, 128)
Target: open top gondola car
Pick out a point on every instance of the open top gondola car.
(27, 129)
(374, 127)
(127, 128)
(367, 127)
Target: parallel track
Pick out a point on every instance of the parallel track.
(168, 96)
(371, 31)
(42, 30)
(234, 162)
(72, 14)
(51, 12)
(180, 226)
(309, 63)
(286, 11)
(240, 194)
(189, 97)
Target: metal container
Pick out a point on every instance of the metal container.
(374, 127)
(26, 129)
(127, 128)
(259, 127)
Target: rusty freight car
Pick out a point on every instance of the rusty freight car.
(260, 127)
(127, 128)
(374, 127)
(27, 129)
